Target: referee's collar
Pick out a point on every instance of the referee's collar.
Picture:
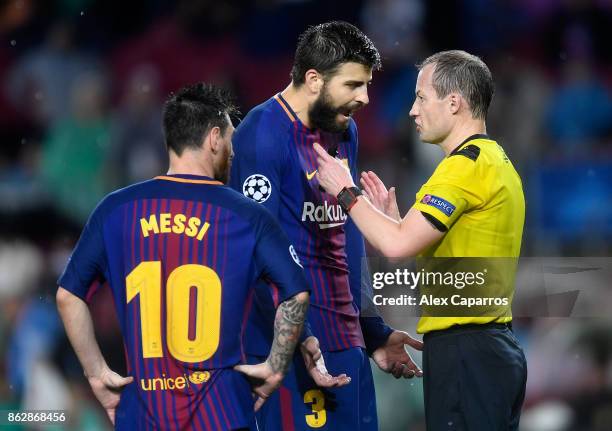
(468, 139)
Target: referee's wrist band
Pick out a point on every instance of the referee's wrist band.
(347, 198)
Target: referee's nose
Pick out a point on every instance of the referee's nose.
(414, 112)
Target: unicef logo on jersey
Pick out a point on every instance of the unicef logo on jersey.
(257, 187)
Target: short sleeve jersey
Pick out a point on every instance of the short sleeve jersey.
(476, 196)
(180, 253)
(275, 165)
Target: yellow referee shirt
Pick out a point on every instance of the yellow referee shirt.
(476, 196)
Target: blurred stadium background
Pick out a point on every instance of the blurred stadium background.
(81, 87)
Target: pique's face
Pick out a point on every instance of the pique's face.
(341, 96)
(223, 163)
(431, 114)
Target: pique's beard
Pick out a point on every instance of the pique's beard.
(323, 115)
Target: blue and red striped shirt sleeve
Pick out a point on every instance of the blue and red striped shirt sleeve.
(277, 260)
(88, 260)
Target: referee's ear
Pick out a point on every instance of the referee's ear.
(455, 100)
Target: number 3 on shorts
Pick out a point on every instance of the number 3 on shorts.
(317, 400)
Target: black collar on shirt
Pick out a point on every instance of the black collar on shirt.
(468, 139)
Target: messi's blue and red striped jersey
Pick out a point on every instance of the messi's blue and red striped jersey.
(181, 254)
(275, 164)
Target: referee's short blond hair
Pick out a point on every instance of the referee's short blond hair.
(464, 73)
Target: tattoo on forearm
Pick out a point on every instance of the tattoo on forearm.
(287, 329)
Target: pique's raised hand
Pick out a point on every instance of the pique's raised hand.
(393, 358)
(332, 174)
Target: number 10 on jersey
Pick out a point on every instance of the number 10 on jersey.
(145, 280)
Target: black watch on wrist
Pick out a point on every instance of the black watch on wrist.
(348, 197)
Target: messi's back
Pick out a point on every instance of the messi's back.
(178, 255)
(181, 237)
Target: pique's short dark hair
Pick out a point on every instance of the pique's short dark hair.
(459, 71)
(325, 47)
(192, 112)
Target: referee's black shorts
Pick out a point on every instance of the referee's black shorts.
(474, 378)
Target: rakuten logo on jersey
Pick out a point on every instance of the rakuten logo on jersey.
(326, 215)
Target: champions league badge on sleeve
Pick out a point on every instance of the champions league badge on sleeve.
(295, 256)
(257, 187)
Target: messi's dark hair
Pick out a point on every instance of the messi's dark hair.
(192, 112)
(458, 71)
(325, 47)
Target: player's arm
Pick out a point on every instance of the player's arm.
(275, 260)
(79, 328)
(290, 317)
(406, 238)
(105, 383)
(268, 375)
(86, 264)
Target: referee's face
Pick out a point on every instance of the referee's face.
(431, 114)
